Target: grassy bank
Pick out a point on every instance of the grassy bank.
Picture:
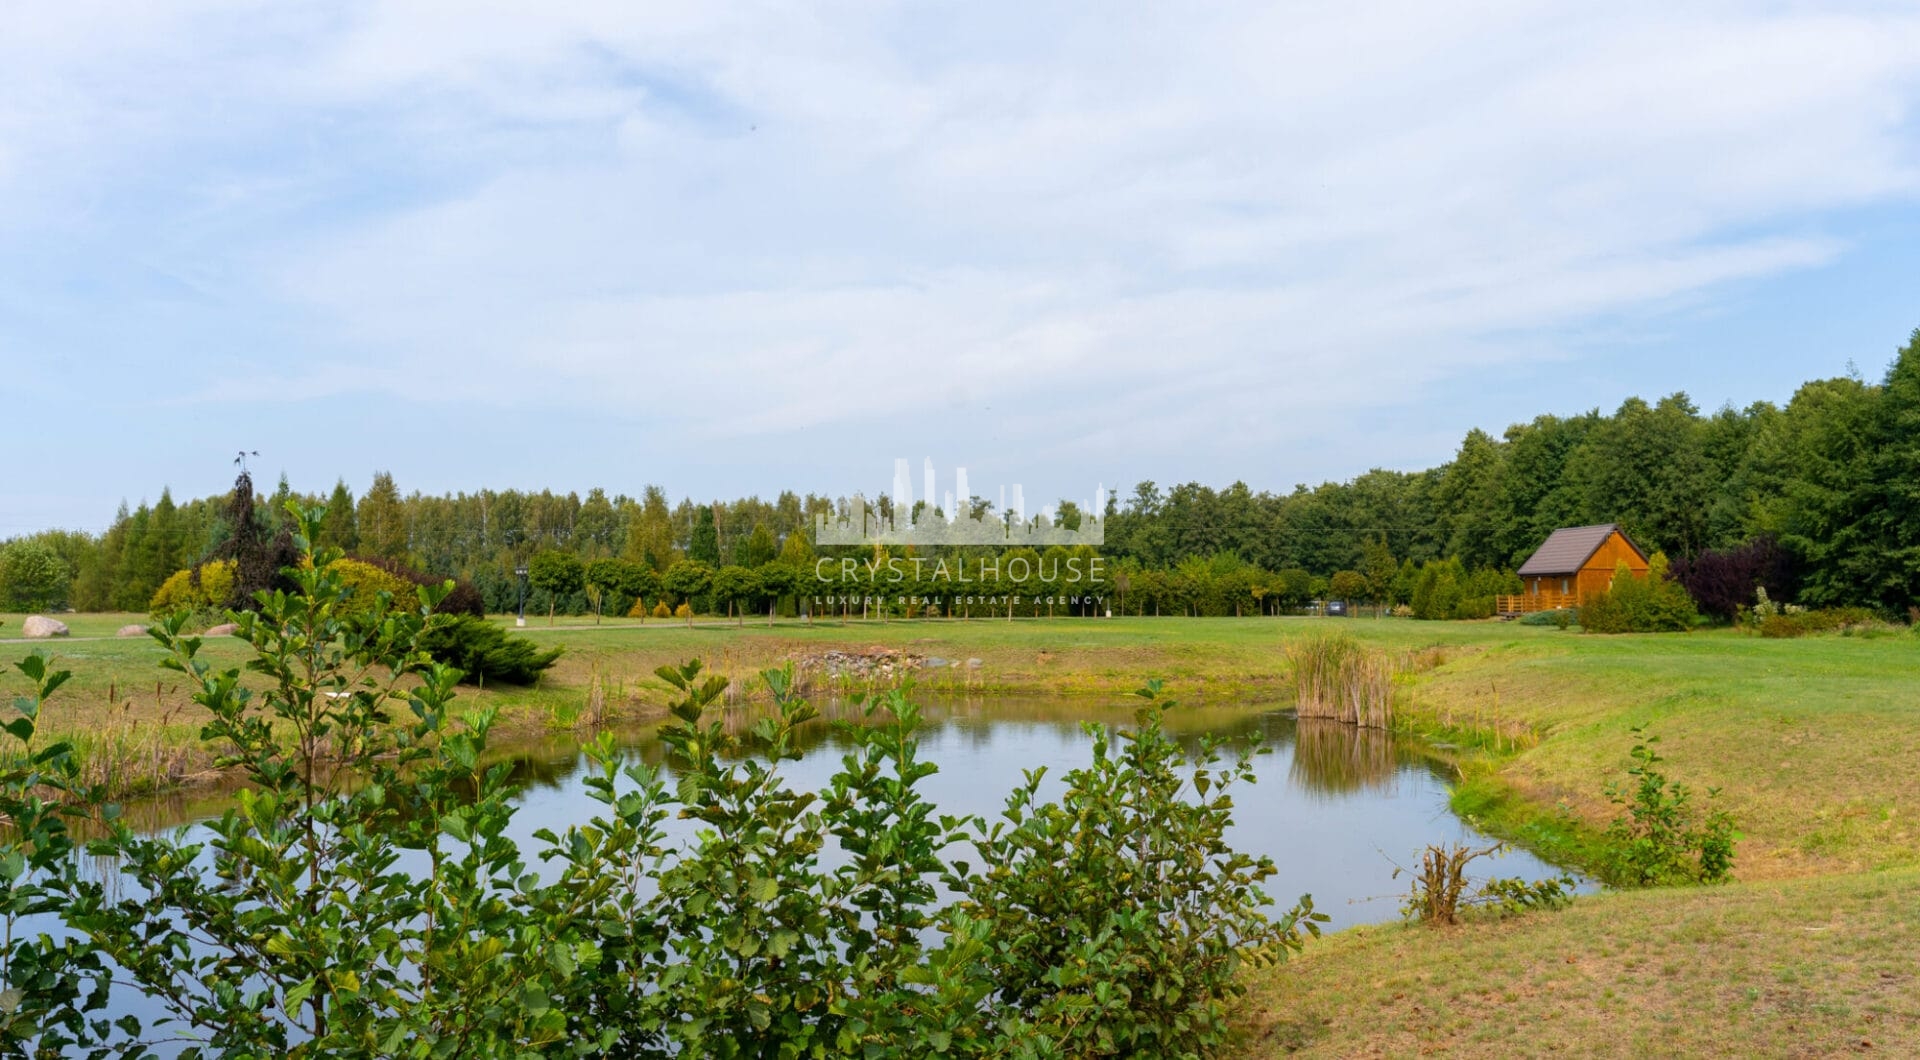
(1816, 967)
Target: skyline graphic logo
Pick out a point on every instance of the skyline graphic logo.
(1006, 526)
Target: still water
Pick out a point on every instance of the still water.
(1334, 806)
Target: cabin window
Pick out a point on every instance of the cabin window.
(1564, 587)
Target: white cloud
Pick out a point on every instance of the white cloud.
(1073, 212)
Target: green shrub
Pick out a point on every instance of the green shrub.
(1559, 619)
(1445, 589)
(463, 599)
(1660, 839)
(1651, 604)
(363, 581)
(33, 576)
(1793, 622)
(485, 652)
(1783, 626)
(198, 590)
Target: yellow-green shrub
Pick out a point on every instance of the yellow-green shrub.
(364, 581)
(201, 588)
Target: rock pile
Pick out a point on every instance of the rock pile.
(872, 664)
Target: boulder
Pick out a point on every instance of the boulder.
(224, 629)
(40, 626)
(132, 631)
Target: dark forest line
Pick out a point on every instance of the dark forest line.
(1831, 479)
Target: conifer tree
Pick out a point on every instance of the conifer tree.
(704, 544)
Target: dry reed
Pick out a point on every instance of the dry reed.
(1441, 881)
(1336, 678)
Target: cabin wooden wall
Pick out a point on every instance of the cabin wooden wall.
(1598, 572)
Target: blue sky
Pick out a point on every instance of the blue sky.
(735, 248)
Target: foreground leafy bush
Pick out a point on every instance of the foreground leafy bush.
(363, 896)
(1118, 914)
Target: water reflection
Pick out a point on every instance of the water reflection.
(1333, 758)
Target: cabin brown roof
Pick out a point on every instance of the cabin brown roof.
(1567, 550)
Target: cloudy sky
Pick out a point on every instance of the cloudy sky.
(730, 248)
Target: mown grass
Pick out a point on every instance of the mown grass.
(1815, 967)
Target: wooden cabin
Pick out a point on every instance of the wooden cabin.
(1573, 563)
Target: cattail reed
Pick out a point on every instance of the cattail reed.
(1334, 677)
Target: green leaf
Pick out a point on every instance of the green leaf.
(764, 889)
(297, 996)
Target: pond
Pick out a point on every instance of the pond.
(1334, 806)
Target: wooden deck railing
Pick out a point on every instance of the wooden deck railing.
(1528, 603)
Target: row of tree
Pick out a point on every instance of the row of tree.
(1056, 581)
(1832, 479)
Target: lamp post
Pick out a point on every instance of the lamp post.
(521, 618)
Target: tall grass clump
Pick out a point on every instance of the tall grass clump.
(1335, 677)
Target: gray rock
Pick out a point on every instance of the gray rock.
(973, 664)
(132, 631)
(935, 660)
(224, 629)
(40, 626)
